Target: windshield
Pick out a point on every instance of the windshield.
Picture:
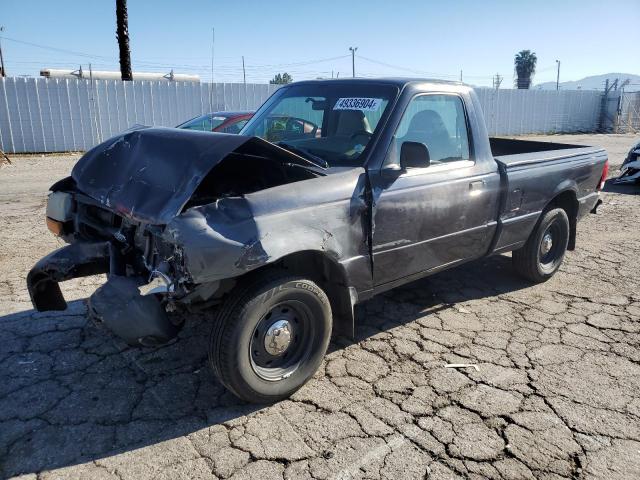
(328, 123)
(206, 123)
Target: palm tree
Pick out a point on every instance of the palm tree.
(525, 65)
(122, 34)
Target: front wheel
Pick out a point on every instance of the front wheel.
(540, 258)
(270, 336)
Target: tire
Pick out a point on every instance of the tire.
(248, 336)
(538, 260)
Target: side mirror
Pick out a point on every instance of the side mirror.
(414, 155)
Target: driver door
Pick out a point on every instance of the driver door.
(436, 214)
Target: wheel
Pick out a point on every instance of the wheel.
(540, 258)
(270, 336)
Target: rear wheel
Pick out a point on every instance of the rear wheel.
(270, 336)
(540, 258)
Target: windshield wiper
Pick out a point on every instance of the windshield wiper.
(320, 162)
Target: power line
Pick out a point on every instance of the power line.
(151, 62)
(256, 70)
(62, 50)
(411, 70)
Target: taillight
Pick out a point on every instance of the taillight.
(603, 178)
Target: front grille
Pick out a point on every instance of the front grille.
(93, 222)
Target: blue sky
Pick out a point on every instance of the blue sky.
(412, 38)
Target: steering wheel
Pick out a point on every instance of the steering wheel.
(294, 125)
(358, 133)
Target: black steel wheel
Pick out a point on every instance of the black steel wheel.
(270, 336)
(540, 258)
(282, 340)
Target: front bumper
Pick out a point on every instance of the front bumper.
(138, 319)
(79, 259)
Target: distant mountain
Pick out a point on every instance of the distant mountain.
(595, 82)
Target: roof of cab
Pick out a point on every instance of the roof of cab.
(396, 81)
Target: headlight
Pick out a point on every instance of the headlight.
(59, 211)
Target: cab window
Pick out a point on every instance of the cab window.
(439, 122)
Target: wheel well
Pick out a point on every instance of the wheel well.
(330, 276)
(568, 201)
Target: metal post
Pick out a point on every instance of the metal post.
(353, 60)
(3, 73)
(558, 77)
(213, 39)
(244, 80)
(497, 80)
(94, 123)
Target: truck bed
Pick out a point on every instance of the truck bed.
(534, 172)
(511, 152)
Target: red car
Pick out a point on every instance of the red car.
(223, 122)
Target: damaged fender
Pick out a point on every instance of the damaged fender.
(234, 235)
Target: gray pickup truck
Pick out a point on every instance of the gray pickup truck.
(335, 190)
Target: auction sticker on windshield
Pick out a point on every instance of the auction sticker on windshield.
(355, 103)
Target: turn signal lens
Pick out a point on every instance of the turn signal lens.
(54, 226)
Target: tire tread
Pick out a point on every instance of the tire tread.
(525, 259)
(241, 299)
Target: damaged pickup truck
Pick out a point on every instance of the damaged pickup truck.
(333, 192)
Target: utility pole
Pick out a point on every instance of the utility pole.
(213, 39)
(558, 77)
(3, 72)
(244, 75)
(353, 60)
(460, 76)
(497, 80)
(122, 34)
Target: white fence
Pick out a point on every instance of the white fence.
(519, 112)
(57, 115)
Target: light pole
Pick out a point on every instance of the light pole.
(3, 72)
(558, 76)
(353, 60)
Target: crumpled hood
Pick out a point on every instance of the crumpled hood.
(149, 174)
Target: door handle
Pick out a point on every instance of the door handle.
(476, 186)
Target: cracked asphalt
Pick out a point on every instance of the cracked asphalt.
(555, 395)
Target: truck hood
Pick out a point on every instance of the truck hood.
(149, 174)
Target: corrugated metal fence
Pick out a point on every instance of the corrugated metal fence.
(519, 112)
(56, 115)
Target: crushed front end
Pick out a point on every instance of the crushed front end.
(118, 210)
(144, 275)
